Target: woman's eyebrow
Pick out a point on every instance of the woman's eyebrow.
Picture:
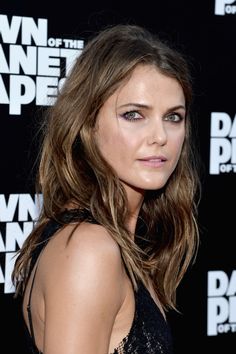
(142, 105)
(174, 108)
(133, 104)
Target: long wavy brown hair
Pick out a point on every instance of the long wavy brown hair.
(72, 170)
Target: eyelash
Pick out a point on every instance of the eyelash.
(180, 117)
(132, 119)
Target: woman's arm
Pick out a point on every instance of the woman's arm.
(83, 293)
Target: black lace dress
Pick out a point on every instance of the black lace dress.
(149, 333)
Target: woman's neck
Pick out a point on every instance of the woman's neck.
(135, 199)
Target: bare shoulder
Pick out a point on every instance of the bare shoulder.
(80, 244)
(82, 281)
(92, 237)
(85, 253)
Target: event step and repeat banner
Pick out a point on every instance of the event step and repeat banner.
(38, 46)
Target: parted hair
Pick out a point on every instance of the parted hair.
(72, 169)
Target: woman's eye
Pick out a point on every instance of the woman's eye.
(174, 117)
(132, 116)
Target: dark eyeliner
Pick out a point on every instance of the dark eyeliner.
(131, 119)
(181, 117)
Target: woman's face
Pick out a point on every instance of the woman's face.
(140, 129)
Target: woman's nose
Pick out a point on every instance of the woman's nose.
(157, 134)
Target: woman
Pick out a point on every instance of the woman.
(117, 230)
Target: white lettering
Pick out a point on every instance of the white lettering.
(54, 42)
(7, 210)
(220, 152)
(37, 32)
(2, 280)
(28, 207)
(233, 129)
(3, 93)
(232, 306)
(2, 246)
(48, 62)
(220, 124)
(230, 9)
(9, 32)
(20, 59)
(217, 283)
(18, 84)
(220, 6)
(29, 30)
(71, 56)
(15, 235)
(47, 90)
(232, 284)
(3, 62)
(217, 312)
(9, 265)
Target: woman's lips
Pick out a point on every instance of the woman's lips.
(153, 161)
